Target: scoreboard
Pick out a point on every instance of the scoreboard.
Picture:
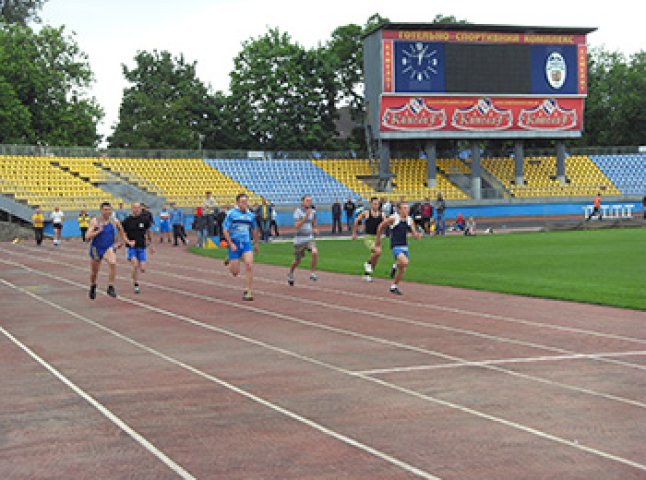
(475, 81)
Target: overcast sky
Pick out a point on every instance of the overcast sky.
(210, 32)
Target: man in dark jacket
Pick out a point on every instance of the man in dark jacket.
(336, 216)
(349, 208)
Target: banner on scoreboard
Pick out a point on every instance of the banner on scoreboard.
(480, 114)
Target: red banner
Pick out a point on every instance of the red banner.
(388, 66)
(582, 66)
(480, 114)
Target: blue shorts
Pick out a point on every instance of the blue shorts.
(397, 251)
(138, 253)
(242, 247)
(164, 226)
(97, 253)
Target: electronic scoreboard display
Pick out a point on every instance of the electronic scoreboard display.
(476, 81)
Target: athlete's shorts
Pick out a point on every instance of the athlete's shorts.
(138, 253)
(97, 253)
(301, 248)
(397, 251)
(242, 247)
(57, 226)
(164, 226)
(369, 241)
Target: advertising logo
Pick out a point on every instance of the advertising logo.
(414, 115)
(547, 116)
(484, 115)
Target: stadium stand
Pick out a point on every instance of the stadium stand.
(346, 172)
(627, 172)
(40, 182)
(284, 181)
(583, 177)
(180, 180)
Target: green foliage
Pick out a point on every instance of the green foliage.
(166, 106)
(44, 77)
(20, 11)
(575, 266)
(283, 94)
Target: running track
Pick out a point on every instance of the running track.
(334, 380)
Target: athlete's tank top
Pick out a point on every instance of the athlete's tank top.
(399, 231)
(104, 239)
(372, 223)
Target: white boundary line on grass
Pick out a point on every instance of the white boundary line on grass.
(390, 343)
(250, 396)
(391, 386)
(141, 440)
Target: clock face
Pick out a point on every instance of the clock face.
(419, 61)
(419, 66)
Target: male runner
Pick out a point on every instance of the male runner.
(305, 223)
(237, 229)
(399, 223)
(101, 235)
(372, 217)
(136, 226)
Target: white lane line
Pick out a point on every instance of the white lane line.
(266, 403)
(407, 391)
(373, 339)
(137, 437)
(549, 358)
(425, 306)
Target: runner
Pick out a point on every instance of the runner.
(57, 217)
(101, 237)
(136, 226)
(399, 223)
(305, 223)
(164, 224)
(238, 227)
(372, 217)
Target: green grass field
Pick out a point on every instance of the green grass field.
(601, 266)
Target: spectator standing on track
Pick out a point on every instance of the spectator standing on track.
(263, 215)
(305, 223)
(349, 208)
(209, 207)
(274, 220)
(238, 229)
(101, 235)
(177, 222)
(372, 218)
(440, 224)
(84, 223)
(596, 210)
(199, 227)
(427, 214)
(137, 227)
(120, 214)
(38, 220)
(219, 218)
(400, 224)
(336, 217)
(57, 217)
(164, 224)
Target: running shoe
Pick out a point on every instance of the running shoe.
(367, 268)
(395, 291)
(314, 277)
(290, 279)
(226, 262)
(137, 288)
(367, 278)
(92, 293)
(247, 296)
(393, 270)
(111, 291)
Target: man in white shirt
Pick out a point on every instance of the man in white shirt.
(305, 223)
(57, 218)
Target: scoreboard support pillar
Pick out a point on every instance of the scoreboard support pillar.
(476, 181)
(519, 159)
(560, 161)
(384, 163)
(431, 163)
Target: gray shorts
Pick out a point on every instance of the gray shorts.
(301, 248)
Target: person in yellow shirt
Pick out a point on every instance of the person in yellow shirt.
(38, 220)
(84, 223)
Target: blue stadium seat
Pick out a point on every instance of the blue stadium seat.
(627, 172)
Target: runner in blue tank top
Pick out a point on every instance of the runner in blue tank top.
(400, 224)
(101, 233)
(238, 228)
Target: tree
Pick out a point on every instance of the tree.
(167, 106)
(20, 11)
(283, 95)
(43, 81)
